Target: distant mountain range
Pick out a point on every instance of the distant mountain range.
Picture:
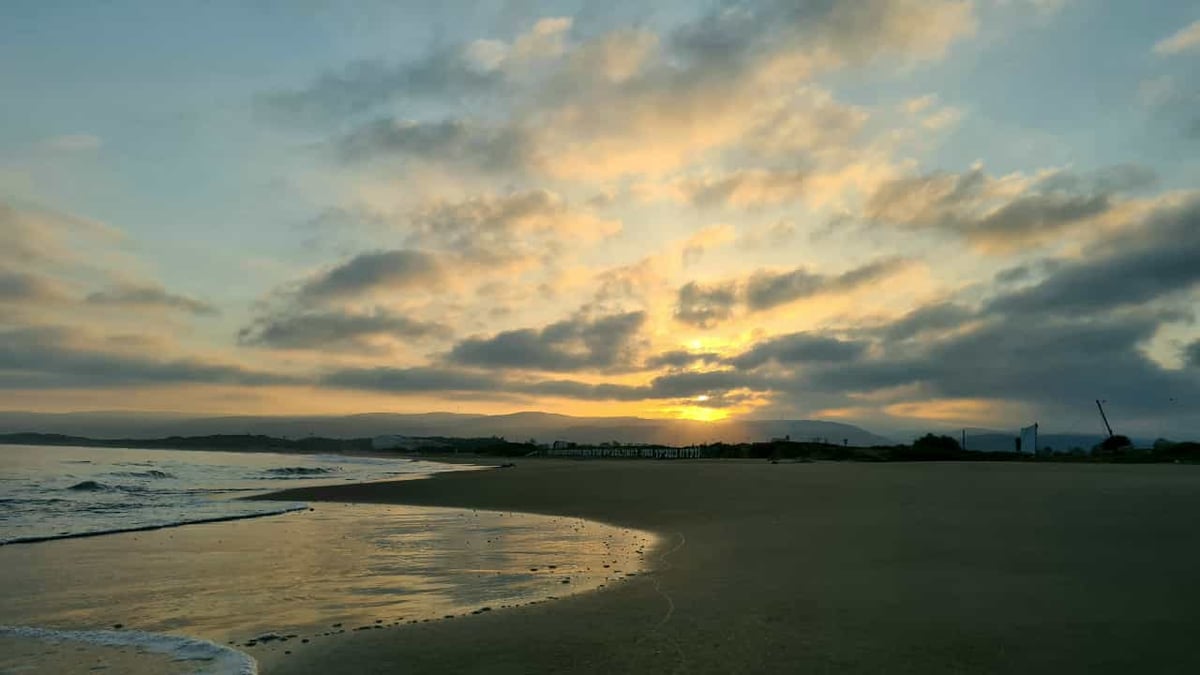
(543, 427)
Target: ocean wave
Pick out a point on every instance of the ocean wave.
(289, 471)
(153, 473)
(89, 486)
(211, 658)
(97, 486)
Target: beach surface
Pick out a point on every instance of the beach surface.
(827, 568)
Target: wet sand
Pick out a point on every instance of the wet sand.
(265, 586)
(828, 568)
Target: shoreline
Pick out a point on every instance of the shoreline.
(38, 539)
(269, 588)
(825, 567)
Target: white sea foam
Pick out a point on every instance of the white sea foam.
(210, 657)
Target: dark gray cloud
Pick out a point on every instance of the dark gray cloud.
(927, 319)
(150, 297)
(680, 359)
(992, 210)
(705, 306)
(1047, 362)
(578, 343)
(451, 140)
(736, 34)
(22, 288)
(50, 357)
(798, 348)
(1159, 259)
(1191, 355)
(442, 74)
(378, 270)
(407, 380)
(508, 226)
(336, 330)
(1034, 214)
(766, 290)
(692, 384)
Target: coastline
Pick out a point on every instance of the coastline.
(825, 567)
(265, 587)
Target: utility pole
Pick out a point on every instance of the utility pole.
(1105, 418)
(963, 445)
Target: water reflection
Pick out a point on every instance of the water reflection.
(336, 568)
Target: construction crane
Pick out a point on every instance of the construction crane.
(1105, 418)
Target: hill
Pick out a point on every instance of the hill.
(544, 427)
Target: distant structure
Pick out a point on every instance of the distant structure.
(1028, 442)
(1104, 417)
(632, 451)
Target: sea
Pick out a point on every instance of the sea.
(145, 561)
(50, 492)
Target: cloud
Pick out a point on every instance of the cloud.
(705, 306)
(39, 357)
(922, 321)
(150, 297)
(491, 148)
(41, 237)
(615, 57)
(579, 343)
(1048, 362)
(1184, 40)
(48, 256)
(712, 383)
(680, 359)
(629, 101)
(798, 348)
(375, 271)
(837, 32)
(767, 290)
(415, 380)
(747, 188)
(1191, 355)
(516, 224)
(713, 236)
(1007, 211)
(22, 288)
(1155, 260)
(336, 330)
(442, 74)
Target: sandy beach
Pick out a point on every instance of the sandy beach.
(827, 568)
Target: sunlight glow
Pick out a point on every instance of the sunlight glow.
(701, 414)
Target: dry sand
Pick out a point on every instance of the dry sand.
(828, 568)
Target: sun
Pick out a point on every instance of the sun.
(701, 413)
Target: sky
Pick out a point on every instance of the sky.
(894, 213)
